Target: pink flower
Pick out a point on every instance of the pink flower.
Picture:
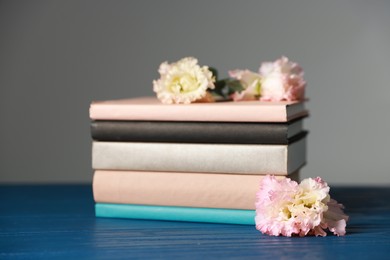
(281, 80)
(275, 81)
(250, 81)
(285, 208)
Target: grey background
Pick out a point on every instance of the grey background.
(58, 56)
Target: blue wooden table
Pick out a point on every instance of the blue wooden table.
(57, 222)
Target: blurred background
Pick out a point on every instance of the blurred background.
(58, 56)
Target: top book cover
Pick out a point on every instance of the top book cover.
(151, 109)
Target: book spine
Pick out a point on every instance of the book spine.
(190, 132)
(202, 112)
(206, 215)
(209, 158)
(202, 190)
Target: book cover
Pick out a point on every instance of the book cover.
(207, 158)
(204, 190)
(207, 215)
(195, 132)
(151, 109)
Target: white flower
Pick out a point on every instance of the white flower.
(183, 81)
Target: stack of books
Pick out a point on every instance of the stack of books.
(201, 162)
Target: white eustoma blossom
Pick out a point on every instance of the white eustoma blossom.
(183, 82)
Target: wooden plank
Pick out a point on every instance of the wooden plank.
(59, 222)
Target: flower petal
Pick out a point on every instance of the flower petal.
(183, 81)
(285, 208)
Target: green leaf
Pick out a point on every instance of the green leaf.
(215, 72)
(234, 85)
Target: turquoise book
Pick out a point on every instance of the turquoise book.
(169, 213)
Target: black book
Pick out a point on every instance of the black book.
(196, 132)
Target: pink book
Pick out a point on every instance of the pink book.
(151, 109)
(205, 190)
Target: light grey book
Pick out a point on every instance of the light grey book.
(192, 157)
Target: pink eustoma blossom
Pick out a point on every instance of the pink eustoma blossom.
(284, 207)
(281, 80)
(250, 81)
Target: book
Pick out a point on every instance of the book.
(151, 109)
(192, 157)
(196, 132)
(204, 190)
(208, 215)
